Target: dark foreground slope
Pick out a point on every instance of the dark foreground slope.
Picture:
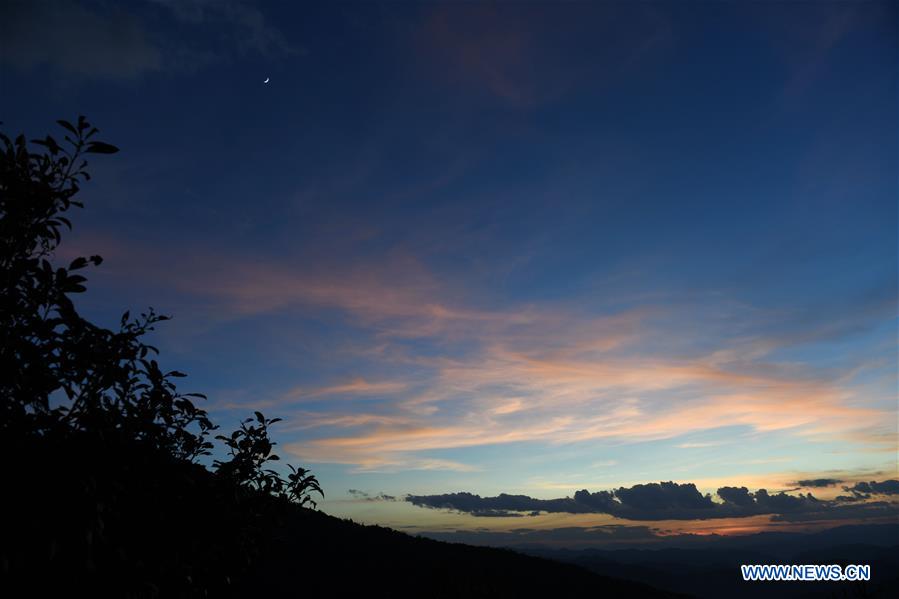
(100, 516)
(381, 562)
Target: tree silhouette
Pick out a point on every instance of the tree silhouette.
(99, 446)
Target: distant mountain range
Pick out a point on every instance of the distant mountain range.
(710, 567)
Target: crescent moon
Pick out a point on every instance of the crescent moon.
(266, 80)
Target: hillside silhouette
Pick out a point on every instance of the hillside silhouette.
(111, 488)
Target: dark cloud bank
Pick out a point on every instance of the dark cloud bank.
(674, 501)
(818, 482)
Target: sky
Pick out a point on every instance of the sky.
(506, 249)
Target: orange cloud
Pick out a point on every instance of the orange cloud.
(563, 402)
(357, 386)
(551, 373)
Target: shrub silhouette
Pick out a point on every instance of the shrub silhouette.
(99, 450)
(250, 448)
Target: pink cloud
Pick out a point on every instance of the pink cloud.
(505, 397)
(550, 373)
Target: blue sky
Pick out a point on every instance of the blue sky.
(523, 248)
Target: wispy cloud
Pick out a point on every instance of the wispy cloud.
(358, 386)
(76, 39)
(624, 399)
(99, 41)
(695, 445)
(509, 52)
(550, 373)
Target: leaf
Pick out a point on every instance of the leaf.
(68, 126)
(78, 263)
(99, 147)
(49, 143)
